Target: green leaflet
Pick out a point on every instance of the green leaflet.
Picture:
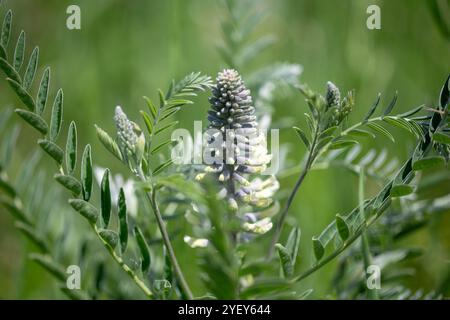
(285, 260)
(143, 248)
(147, 121)
(110, 237)
(52, 149)
(293, 243)
(318, 248)
(86, 209)
(71, 148)
(57, 111)
(151, 107)
(169, 113)
(160, 146)
(69, 183)
(428, 162)
(380, 129)
(41, 98)
(162, 166)
(10, 71)
(23, 95)
(33, 120)
(3, 53)
(6, 29)
(372, 108)
(328, 132)
(46, 262)
(302, 136)
(441, 138)
(32, 235)
(86, 173)
(391, 104)
(123, 220)
(7, 188)
(19, 214)
(401, 190)
(19, 52)
(105, 197)
(342, 227)
(108, 143)
(361, 133)
(8, 146)
(31, 69)
(165, 127)
(342, 144)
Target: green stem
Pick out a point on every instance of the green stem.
(309, 161)
(165, 236)
(139, 282)
(365, 248)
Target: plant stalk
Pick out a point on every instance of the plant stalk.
(165, 236)
(301, 178)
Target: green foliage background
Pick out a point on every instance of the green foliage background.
(126, 49)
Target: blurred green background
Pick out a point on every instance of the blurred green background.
(127, 49)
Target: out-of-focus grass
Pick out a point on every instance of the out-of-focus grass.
(127, 49)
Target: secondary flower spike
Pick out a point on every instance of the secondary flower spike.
(237, 148)
(130, 139)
